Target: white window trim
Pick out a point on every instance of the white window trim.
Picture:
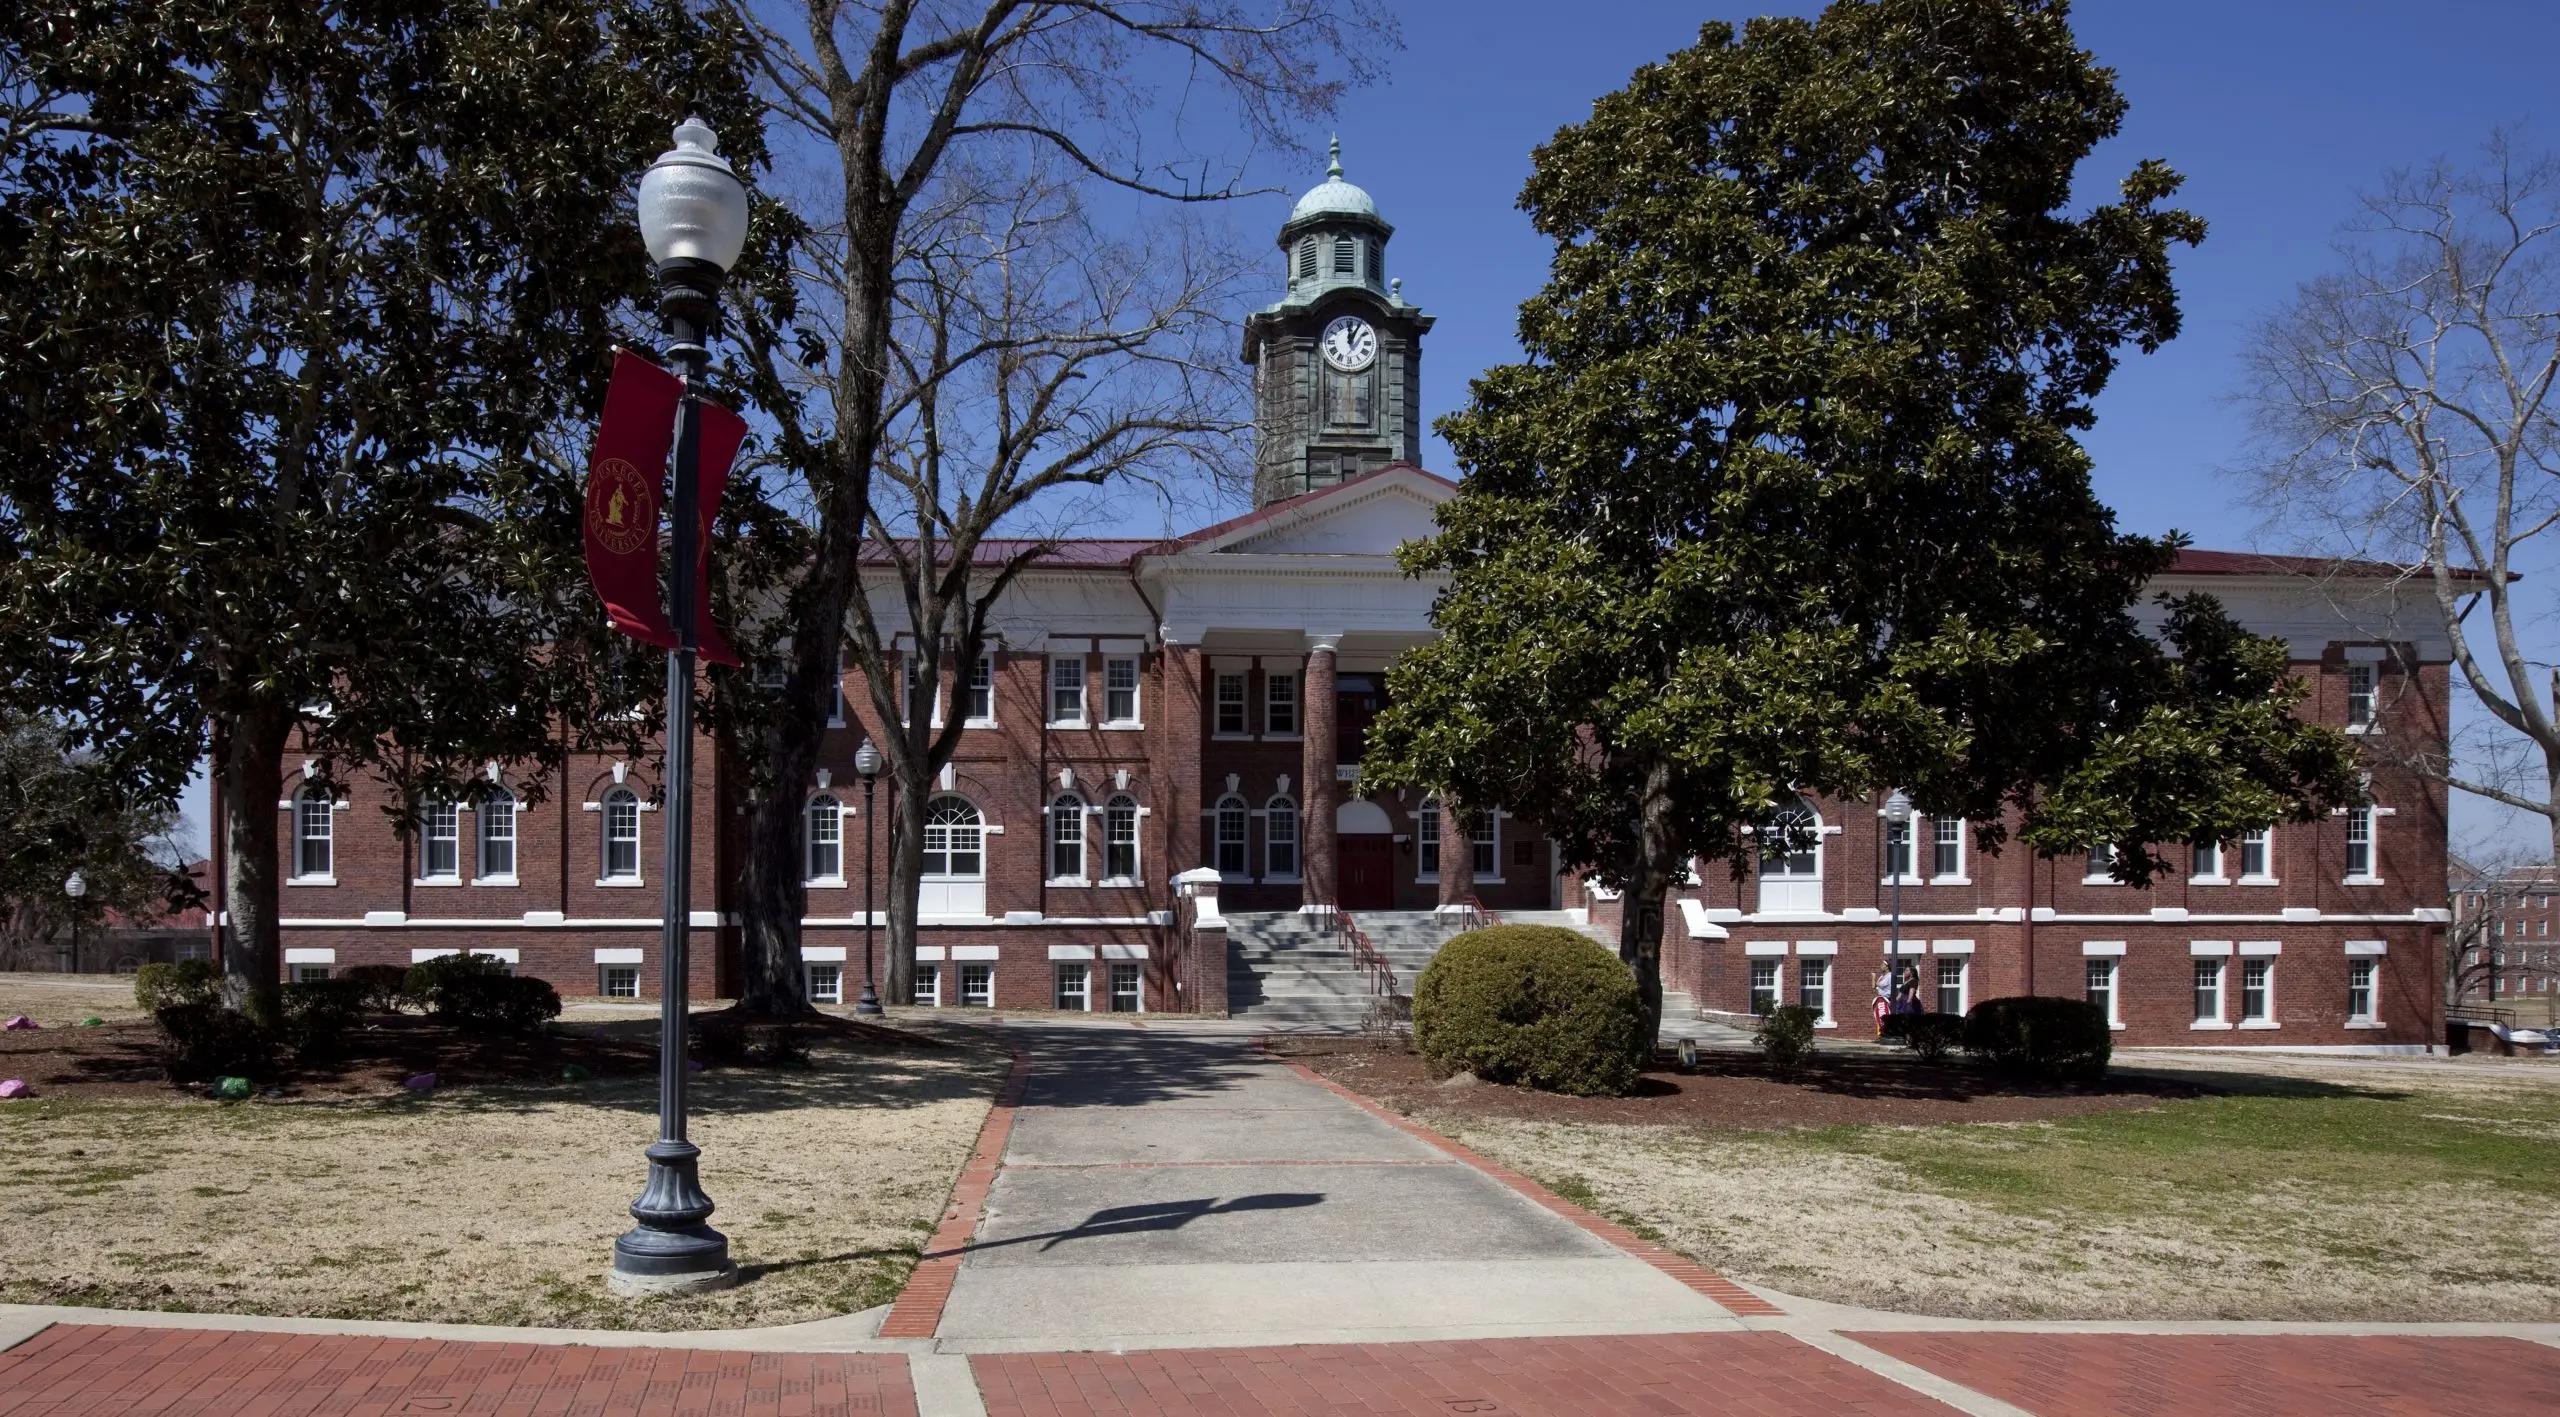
(1084, 691)
(1244, 705)
(986, 660)
(1750, 984)
(2241, 847)
(2115, 978)
(2101, 878)
(2373, 698)
(1964, 978)
(2217, 876)
(1057, 983)
(1964, 854)
(936, 967)
(808, 970)
(1439, 843)
(1297, 841)
(639, 843)
(2372, 843)
(292, 806)
(1217, 858)
(1137, 693)
(1110, 992)
(2372, 1016)
(1492, 819)
(2220, 1019)
(2243, 990)
(1830, 987)
(1296, 732)
(424, 878)
(960, 982)
(1085, 813)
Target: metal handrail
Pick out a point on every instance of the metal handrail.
(1477, 916)
(1364, 953)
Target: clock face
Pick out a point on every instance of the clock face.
(1349, 344)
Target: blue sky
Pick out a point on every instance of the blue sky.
(2278, 111)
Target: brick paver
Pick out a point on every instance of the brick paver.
(95, 1368)
(2132, 1375)
(1763, 1374)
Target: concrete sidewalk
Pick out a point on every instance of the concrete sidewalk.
(1173, 1187)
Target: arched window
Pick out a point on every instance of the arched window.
(1231, 848)
(1793, 843)
(1066, 837)
(1426, 837)
(439, 840)
(955, 840)
(314, 831)
(497, 835)
(1120, 838)
(1280, 836)
(826, 840)
(622, 835)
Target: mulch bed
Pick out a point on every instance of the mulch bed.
(122, 1060)
(1733, 1090)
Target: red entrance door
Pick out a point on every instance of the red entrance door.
(1366, 866)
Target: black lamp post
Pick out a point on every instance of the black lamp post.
(1897, 816)
(693, 215)
(75, 887)
(866, 761)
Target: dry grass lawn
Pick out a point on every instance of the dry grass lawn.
(2318, 1189)
(61, 1000)
(488, 1205)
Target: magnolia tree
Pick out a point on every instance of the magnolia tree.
(1787, 495)
(915, 135)
(320, 284)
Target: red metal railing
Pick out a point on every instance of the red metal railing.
(1476, 917)
(1364, 953)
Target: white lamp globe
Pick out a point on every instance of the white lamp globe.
(76, 887)
(866, 759)
(1897, 808)
(692, 207)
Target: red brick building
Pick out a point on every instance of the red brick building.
(1159, 706)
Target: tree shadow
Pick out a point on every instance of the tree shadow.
(1141, 1219)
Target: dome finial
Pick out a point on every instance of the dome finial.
(1334, 168)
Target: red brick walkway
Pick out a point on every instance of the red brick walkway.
(77, 1369)
(1762, 1374)
(2134, 1375)
(917, 1311)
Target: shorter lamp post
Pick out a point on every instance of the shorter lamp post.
(1897, 816)
(866, 761)
(75, 887)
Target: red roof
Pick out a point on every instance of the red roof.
(2192, 562)
(1060, 551)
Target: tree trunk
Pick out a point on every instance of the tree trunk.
(906, 891)
(250, 750)
(772, 901)
(1640, 906)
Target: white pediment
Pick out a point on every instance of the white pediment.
(1369, 518)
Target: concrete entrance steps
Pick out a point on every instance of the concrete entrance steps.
(1292, 970)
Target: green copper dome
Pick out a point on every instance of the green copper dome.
(1333, 196)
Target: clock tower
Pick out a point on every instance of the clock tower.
(1338, 360)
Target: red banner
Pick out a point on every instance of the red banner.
(626, 481)
(722, 432)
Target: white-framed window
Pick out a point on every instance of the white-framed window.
(1066, 691)
(977, 986)
(2204, 862)
(439, 840)
(1946, 849)
(497, 828)
(618, 981)
(1120, 838)
(2258, 856)
(2257, 991)
(1075, 986)
(1066, 837)
(1126, 994)
(917, 694)
(1230, 721)
(1764, 986)
(825, 833)
(1813, 987)
(2102, 866)
(929, 985)
(2098, 986)
(1951, 986)
(622, 835)
(826, 983)
(2360, 844)
(1231, 836)
(315, 825)
(310, 973)
(835, 694)
(2361, 679)
(1485, 836)
(1426, 837)
(1120, 706)
(1791, 859)
(982, 691)
(2208, 991)
(1280, 837)
(1280, 704)
(955, 840)
(1897, 851)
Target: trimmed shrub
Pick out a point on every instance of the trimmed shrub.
(319, 1014)
(1538, 1005)
(2041, 1036)
(201, 1041)
(477, 994)
(188, 981)
(1932, 1036)
(1786, 1038)
(386, 986)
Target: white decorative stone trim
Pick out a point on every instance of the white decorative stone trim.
(1071, 953)
(2209, 949)
(822, 954)
(926, 953)
(1123, 951)
(2102, 949)
(618, 954)
(386, 917)
(2261, 949)
(1951, 947)
(1817, 949)
(2368, 948)
(310, 954)
(505, 952)
(973, 954)
(1764, 949)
